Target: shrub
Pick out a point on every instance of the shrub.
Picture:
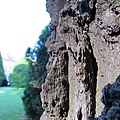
(32, 102)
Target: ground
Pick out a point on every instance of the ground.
(11, 107)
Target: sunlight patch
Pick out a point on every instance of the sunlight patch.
(2, 92)
(14, 93)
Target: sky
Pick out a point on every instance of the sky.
(21, 22)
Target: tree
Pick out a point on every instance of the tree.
(20, 74)
(2, 74)
(37, 58)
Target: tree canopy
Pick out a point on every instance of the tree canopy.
(20, 74)
(37, 58)
(2, 74)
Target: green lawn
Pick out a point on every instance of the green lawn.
(11, 107)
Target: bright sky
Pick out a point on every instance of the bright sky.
(21, 22)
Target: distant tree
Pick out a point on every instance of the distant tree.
(20, 74)
(38, 58)
(2, 74)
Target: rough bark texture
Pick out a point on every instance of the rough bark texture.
(84, 51)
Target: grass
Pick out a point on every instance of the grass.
(11, 107)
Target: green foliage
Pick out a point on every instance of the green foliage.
(32, 102)
(2, 74)
(38, 58)
(20, 74)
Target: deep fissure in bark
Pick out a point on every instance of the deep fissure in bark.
(95, 70)
(79, 115)
(92, 85)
